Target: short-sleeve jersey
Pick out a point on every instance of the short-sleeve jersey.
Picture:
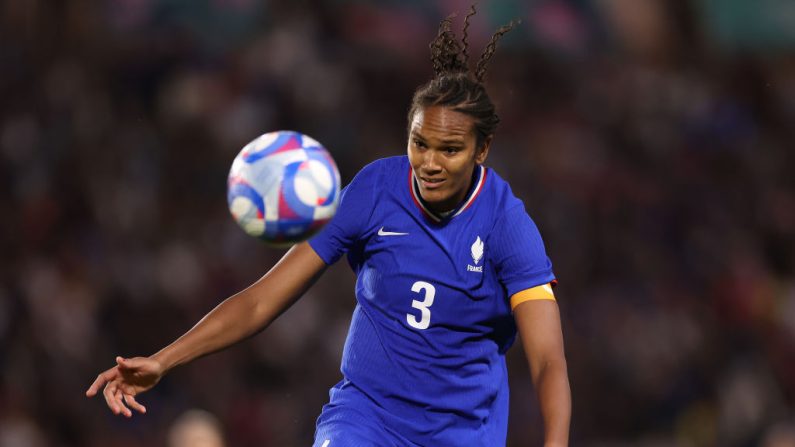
(433, 320)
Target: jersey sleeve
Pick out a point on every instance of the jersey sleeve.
(350, 220)
(519, 255)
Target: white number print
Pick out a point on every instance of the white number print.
(425, 319)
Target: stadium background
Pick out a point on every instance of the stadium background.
(651, 140)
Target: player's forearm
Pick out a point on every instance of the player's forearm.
(231, 321)
(249, 311)
(554, 395)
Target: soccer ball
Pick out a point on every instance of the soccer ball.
(283, 187)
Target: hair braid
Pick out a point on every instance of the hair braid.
(454, 85)
(471, 12)
(446, 50)
(480, 70)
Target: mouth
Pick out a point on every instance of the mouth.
(431, 183)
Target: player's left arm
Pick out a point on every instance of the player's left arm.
(538, 320)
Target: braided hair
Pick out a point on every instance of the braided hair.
(453, 85)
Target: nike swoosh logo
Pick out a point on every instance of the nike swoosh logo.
(381, 232)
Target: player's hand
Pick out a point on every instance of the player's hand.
(124, 381)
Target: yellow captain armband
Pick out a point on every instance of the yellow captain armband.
(543, 292)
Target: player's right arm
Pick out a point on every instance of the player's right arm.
(236, 318)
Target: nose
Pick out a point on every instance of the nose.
(430, 162)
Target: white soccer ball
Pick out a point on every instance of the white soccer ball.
(283, 187)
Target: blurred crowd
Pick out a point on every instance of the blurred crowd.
(652, 141)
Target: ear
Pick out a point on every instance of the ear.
(483, 152)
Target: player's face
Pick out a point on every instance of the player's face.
(443, 154)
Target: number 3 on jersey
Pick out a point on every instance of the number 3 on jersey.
(425, 313)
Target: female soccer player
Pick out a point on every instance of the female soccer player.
(448, 266)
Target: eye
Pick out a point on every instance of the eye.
(451, 150)
(419, 143)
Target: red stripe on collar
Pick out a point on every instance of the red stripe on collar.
(415, 195)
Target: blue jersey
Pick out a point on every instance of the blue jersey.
(424, 357)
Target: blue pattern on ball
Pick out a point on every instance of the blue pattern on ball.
(299, 225)
(291, 196)
(281, 139)
(266, 170)
(240, 189)
(319, 154)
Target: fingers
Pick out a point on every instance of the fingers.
(119, 395)
(110, 397)
(132, 403)
(92, 390)
(101, 379)
(120, 400)
(114, 400)
(123, 363)
(129, 365)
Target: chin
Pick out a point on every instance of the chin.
(437, 201)
(433, 197)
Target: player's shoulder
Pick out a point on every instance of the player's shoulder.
(382, 170)
(513, 225)
(383, 166)
(502, 196)
(390, 166)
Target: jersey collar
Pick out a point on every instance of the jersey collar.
(474, 191)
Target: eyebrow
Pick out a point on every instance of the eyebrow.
(446, 142)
